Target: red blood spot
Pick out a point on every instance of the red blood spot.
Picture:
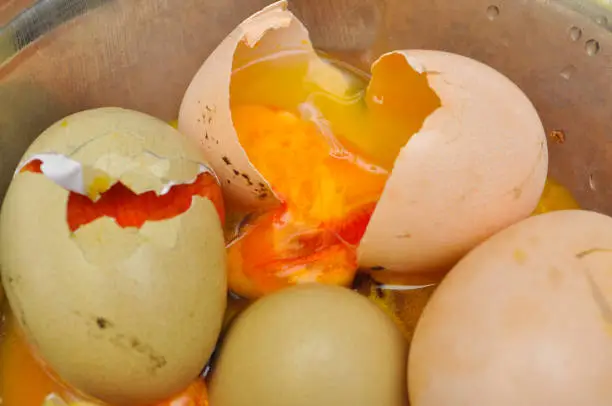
(352, 229)
(130, 209)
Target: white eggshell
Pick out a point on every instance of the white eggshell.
(205, 110)
(477, 165)
(524, 319)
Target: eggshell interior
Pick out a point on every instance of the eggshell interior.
(311, 345)
(127, 315)
(477, 165)
(523, 319)
(205, 112)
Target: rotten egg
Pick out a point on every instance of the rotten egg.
(523, 319)
(113, 257)
(405, 169)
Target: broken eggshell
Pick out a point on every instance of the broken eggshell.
(127, 315)
(477, 165)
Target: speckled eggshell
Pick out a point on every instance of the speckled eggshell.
(205, 112)
(127, 315)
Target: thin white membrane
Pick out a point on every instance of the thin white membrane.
(64, 171)
(68, 173)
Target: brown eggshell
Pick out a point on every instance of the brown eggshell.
(205, 110)
(127, 315)
(311, 345)
(477, 165)
(524, 319)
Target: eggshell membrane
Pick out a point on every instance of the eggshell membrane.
(205, 113)
(477, 165)
(523, 319)
(311, 345)
(119, 149)
(127, 315)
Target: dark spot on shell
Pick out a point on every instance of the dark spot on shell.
(156, 360)
(229, 181)
(377, 268)
(226, 160)
(206, 134)
(246, 177)
(262, 185)
(262, 195)
(217, 142)
(208, 108)
(103, 323)
(236, 172)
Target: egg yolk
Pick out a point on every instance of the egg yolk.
(555, 197)
(25, 382)
(325, 142)
(130, 209)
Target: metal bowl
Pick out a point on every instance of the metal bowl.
(61, 56)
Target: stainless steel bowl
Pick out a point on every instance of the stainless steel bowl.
(61, 56)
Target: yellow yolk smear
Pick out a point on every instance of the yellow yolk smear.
(555, 197)
(325, 141)
(25, 382)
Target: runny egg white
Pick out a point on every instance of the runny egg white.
(470, 160)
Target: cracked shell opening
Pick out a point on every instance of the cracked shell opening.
(129, 209)
(325, 138)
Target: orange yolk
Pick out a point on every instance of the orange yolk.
(555, 197)
(327, 155)
(25, 382)
(133, 210)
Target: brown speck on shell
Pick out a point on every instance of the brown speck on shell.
(557, 136)
(236, 172)
(248, 179)
(377, 268)
(102, 323)
(226, 160)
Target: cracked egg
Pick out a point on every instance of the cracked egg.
(404, 169)
(113, 258)
(523, 319)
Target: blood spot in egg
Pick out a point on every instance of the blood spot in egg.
(130, 209)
